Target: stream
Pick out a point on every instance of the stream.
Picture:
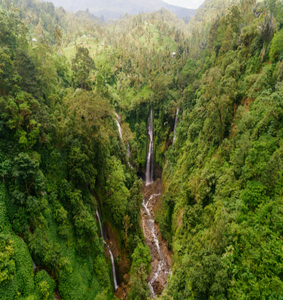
(161, 258)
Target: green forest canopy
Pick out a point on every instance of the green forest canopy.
(61, 157)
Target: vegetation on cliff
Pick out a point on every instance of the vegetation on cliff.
(223, 176)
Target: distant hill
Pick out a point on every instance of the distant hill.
(114, 9)
(208, 11)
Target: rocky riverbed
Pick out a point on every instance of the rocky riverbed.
(161, 257)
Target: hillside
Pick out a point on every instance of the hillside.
(114, 9)
(141, 158)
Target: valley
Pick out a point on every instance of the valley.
(141, 158)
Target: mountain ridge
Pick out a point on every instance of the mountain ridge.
(114, 9)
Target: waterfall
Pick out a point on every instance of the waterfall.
(149, 158)
(101, 231)
(175, 125)
(120, 130)
(113, 268)
(110, 252)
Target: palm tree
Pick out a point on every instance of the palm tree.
(266, 30)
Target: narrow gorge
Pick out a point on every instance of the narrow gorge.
(161, 260)
(161, 257)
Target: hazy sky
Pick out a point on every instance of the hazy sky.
(186, 3)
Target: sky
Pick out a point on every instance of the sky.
(186, 3)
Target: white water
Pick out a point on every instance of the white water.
(120, 130)
(113, 268)
(175, 125)
(110, 252)
(149, 158)
(154, 277)
(151, 223)
(162, 262)
(121, 136)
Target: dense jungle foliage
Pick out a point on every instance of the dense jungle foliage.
(62, 159)
(222, 202)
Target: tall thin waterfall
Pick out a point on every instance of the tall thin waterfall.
(175, 125)
(121, 136)
(119, 128)
(110, 252)
(149, 158)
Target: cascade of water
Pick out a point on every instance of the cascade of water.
(119, 128)
(162, 261)
(154, 277)
(175, 125)
(113, 268)
(149, 158)
(110, 252)
(101, 231)
(163, 268)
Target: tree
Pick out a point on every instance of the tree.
(29, 179)
(26, 68)
(127, 225)
(212, 35)
(58, 34)
(116, 192)
(140, 269)
(133, 209)
(89, 114)
(277, 45)
(266, 30)
(233, 18)
(218, 104)
(227, 39)
(80, 168)
(7, 263)
(19, 114)
(7, 75)
(209, 278)
(82, 64)
(12, 31)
